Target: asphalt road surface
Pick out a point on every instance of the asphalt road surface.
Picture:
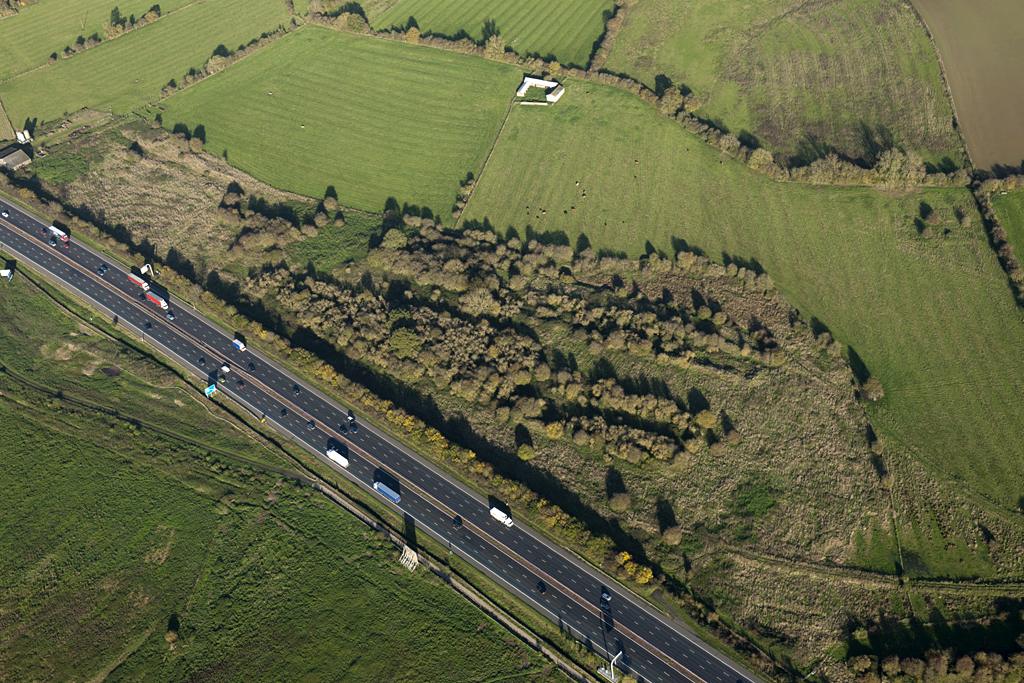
(654, 647)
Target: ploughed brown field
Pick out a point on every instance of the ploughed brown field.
(983, 60)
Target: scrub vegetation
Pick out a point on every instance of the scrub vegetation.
(565, 30)
(889, 274)
(323, 108)
(802, 78)
(140, 555)
(798, 400)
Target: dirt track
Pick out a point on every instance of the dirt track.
(980, 47)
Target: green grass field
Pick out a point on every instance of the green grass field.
(129, 71)
(566, 29)
(373, 118)
(931, 317)
(1010, 210)
(123, 533)
(798, 76)
(28, 38)
(336, 245)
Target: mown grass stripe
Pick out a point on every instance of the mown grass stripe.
(566, 28)
(380, 118)
(28, 38)
(122, 74)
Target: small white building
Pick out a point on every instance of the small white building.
(24, 137)
(555, 93)
(553, 90)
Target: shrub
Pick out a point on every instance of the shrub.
(706, 419)
(891, 666)
(620, 502)
(526, 452)
(394, 239)
(672, 535)
(872, 389)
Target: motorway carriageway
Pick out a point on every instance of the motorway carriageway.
(654, 647)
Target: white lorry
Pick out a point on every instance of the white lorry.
(337, 457)
(501, 516)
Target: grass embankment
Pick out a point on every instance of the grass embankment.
(1010, 211)
(373, 118)
(129, 71)
(28, 38)
(564, 30)
(145, 557)
(921, 300)
(800, 77)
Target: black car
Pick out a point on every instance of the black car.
(296, 389)
(457, 522)
(311, 425)
(53, 242)
(353, 427)
(343, 428)
(148, 325)
(252, 367)
(351, 416)
(606, 596)
(284, 411)
(101, 270)
(202, 360)
(542, 587)
(142, 296)
(241, 384)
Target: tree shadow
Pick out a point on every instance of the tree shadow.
(523, 436)
(409, 531)
(886, 635)
(489, 30)
(810, 149)
(874, 141)
(613, 482)
(860, 369)
(661, 84)
(748, 139)
(665, 514)
(945, 165)
(925, 211)
(559, 360)
(696, 401)
(818, 328)
(548, 237)
(680, 245)
(751, 264)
